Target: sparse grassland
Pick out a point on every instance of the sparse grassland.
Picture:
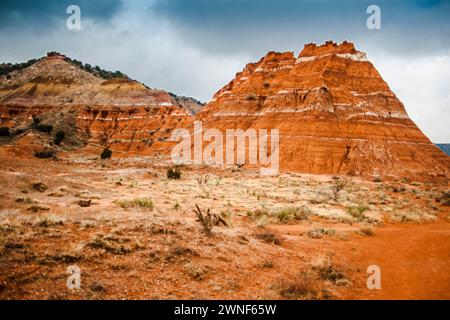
(128, 227)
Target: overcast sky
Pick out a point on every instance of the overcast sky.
(194, 47)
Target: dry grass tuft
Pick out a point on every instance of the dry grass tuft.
(195, 271)
(269, 237)
(302, 287)
(318, 233)
(111, 244)
(366, 231)
(144, 203)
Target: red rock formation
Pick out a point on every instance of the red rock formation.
(335, 114)
(121, 113)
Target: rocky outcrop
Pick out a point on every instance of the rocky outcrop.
(122, 114)
(335, 114)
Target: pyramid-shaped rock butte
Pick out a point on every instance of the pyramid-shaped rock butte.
(335, 113)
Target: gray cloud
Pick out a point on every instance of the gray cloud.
(231, 25)
(194, 47)
(43, 14)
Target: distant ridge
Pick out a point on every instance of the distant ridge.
(57, 96)
(444, 147)
(190, 104)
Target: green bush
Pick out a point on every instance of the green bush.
(36, 120)
(6, 68)
(46, 154)
(4, 132)
(45, 128)
(96, 70)
(19, 131)
(174, 173)
(106, 154)
(59, 137)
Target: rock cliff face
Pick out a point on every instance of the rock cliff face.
(120, 113)
(335, 114)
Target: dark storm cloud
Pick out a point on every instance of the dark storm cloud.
(249, 25)
(35, 13)
(194, 47)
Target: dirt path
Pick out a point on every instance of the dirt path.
(414, 261)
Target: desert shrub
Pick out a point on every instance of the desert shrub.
(183, 251)
(37, 208)
(84, 203)
(109, 245)
(415, 215)
(45, 128)
(326, 270)
(257, 213)
(357, 212)
(98, 287)
(338, 184)
(367, 231)
(330, 273)
(59, 137)
(49, 222)
(285, 215)
(174, 173)
(19, 131)
(64, 257)
(4, 132)
(46, 154)
(320, 233)
(203, 179)
(13, 245)
(195, 271)
(269, 237)
(106, 154)
(208, 220)
(444, 199)
(267, 264)
(282, 215)
(251, 97)
(36, 120)
(25, 200)
(39, 186)
(145, 203)
(304, 287)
